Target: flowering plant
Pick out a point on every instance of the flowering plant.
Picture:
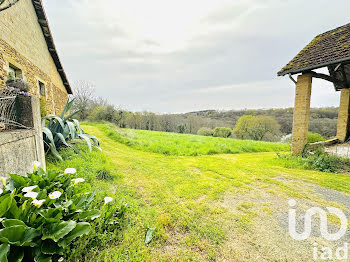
(17, 91)
(42, 214)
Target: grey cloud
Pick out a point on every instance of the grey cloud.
(244, 59)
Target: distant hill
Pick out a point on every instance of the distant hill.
(322, 120)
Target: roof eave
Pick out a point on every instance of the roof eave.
(44, 24)
(305, 69)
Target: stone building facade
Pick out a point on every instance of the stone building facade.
(27, 48)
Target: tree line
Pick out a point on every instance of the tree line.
(270, 124)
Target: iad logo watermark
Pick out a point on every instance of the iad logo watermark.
(323, 253)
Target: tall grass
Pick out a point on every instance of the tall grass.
(185, 144)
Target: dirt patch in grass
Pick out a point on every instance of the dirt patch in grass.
(258, 223)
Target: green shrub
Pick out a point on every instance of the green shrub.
(103, 113)
(43, 213)
(316, 160)
(205, 131)
(314, 137)
(260, 128)
(43, 111)
(58, 131)
(104, 174)
(104, 230)
(323, 161)
(222, 132)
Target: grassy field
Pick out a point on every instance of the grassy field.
(203, 206)
(187, 145)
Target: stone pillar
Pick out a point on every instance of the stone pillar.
(344, 115)
(301, 113)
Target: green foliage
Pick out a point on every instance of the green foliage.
(179, 196)
(104, 230)
(42, 215)
(322, 120)
(43, 111)
(222, 132)
(104, 174)
(314, 137)
(186, 145)
(101, 177)
(205, 131)
(103, 113)
(324, 162)
(181, 129)
(316, 160)
(63, 131)
(260, 128)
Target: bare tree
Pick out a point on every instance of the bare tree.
(5, 4)
(83, 97)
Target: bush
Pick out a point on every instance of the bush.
(316, 160)
(104, 230)
(314, 137)
(42, 214)
(222, 132)
(103, 113)
(323, 161)
(205, 131)
(43, 111)
(58, 131)
(260, 128)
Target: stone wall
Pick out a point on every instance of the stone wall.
(20, 148)
(23, 45)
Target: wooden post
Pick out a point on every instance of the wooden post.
(301, 113)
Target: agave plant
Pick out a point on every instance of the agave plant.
(64, 131)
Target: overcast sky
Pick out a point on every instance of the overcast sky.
(187, 55)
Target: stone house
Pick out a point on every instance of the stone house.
(27, 51)
(330, 50)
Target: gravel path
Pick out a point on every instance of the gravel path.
(267, 238)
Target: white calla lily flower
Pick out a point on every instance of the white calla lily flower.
(28, 189)
(70, 171)
(38, 203)
(37, 165)
(78, 180)
(108, 199)
(32, 195)
(1, 191)
(55, 195)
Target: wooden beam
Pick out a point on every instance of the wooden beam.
(327, 78)
(346, 85)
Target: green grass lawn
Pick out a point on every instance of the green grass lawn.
(204, 206)
(185, 144)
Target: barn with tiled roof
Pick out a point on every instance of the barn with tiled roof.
(329, 50)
